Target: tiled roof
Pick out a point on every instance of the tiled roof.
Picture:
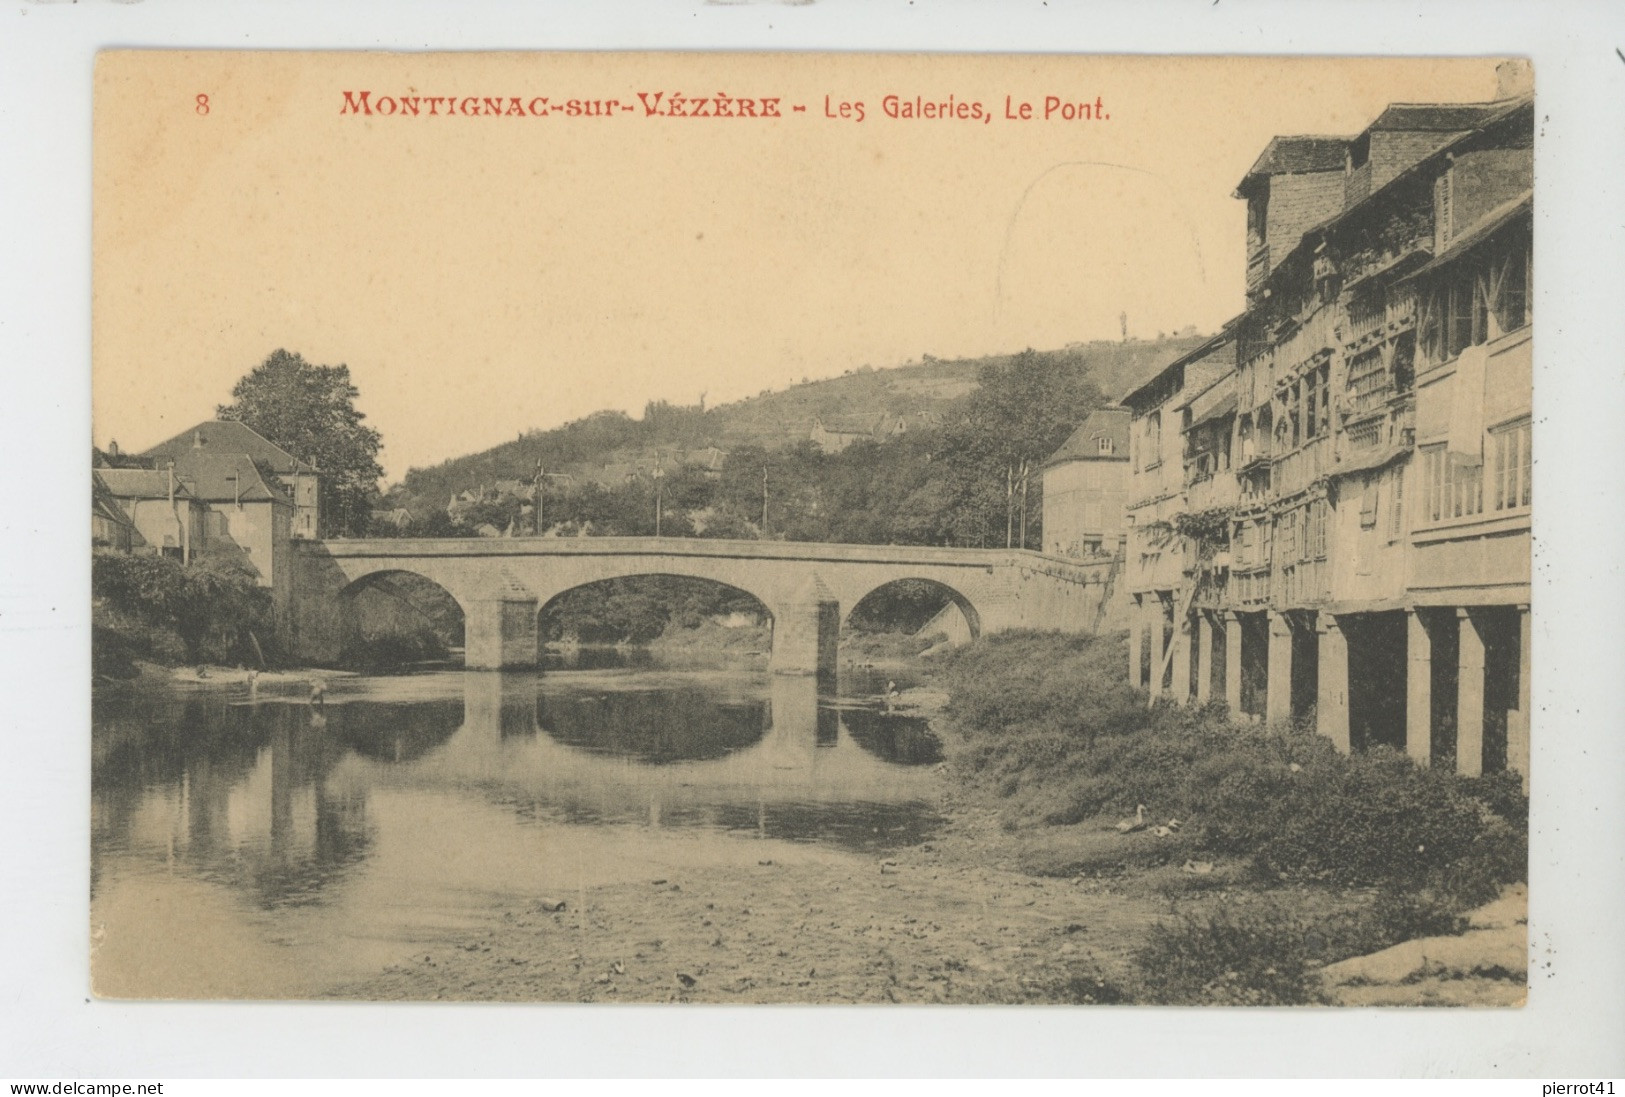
(1441, 117)
(1226, 336)
(105, 503)
(1084, 443)
(139, 483)
(1225, 407)
(225, 478)
(1297, 156)
(230, 436)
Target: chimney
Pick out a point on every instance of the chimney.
(1514, 77)
(197, 438)
(112, 448)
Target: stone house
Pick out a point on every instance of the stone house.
(159, 512)
(300, 480)
(1086, 487)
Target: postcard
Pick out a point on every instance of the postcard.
(811, 528)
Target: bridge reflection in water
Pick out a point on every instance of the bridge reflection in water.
(697, 754)
(280, 803)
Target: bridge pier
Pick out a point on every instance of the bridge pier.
(500, 633)
(807, 631)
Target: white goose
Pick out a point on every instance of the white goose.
(1129, 826)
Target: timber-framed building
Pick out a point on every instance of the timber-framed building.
(1330, 501)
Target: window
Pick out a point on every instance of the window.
(1367, 382)
(1317, 529)
(1153, 440)
(1106, 446)
(1396, 504)
(1464, 314)
(1443, 195)
(1512, 296)
(1368, 503)
(1360, 151)
(1450, 489)
(1509, 472)
(1258, 220)
(1287, 537)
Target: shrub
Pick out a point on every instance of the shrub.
(1047, 723)
(215, 609)
(1241, 953)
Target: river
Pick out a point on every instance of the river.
(264, 848)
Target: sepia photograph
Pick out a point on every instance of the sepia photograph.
(812, 528)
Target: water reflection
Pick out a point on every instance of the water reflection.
(654, 726)
(904, 740)
(590, 657)
(242, 793)
(407, 804)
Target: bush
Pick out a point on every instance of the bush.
(1242, 953)
(214, 609)
(1048, 723)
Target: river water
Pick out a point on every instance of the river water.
(264, 848)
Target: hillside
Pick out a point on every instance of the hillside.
(609, 447)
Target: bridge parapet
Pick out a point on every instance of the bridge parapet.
(502, 583)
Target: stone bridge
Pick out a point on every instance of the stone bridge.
(502, 585)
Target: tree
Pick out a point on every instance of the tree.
(310, 411)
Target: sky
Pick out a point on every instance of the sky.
(483, 276)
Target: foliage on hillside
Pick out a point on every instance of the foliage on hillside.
(930, 485)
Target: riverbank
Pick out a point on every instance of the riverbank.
(944, 921)
(153, 676)
(1006, 902)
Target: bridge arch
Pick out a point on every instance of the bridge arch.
(917, 602)
(614, 609)
(389, 615)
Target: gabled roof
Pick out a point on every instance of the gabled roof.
(1225, 408)
(1438, 117)
(1227, 334)
(1498, 113)
(139, 483)
(104, 503)
(225, 478)
(230, 436)
(1301, 155)
(1084, 443)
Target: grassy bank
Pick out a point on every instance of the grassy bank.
(1287, 854)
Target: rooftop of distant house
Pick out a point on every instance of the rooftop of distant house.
(1083, 444)
(139, 483)
(226, 478)
(1299, 155)
(231, 436)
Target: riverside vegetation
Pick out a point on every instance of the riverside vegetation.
(1294, 855)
